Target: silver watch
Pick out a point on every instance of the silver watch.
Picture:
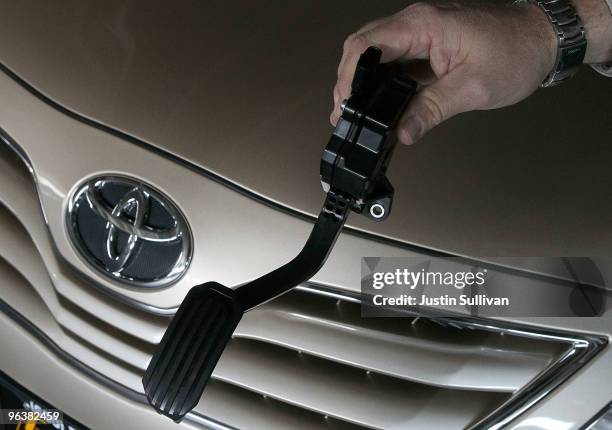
(571, 36)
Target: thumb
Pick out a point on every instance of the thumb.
(448, 96)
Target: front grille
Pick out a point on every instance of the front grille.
(304, 360)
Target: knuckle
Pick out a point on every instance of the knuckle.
(356, 42)
(432, 101)
(478, 91)
(420, 9)
(421, 15)
(340, 91)
(336, 92)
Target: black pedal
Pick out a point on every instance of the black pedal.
(190, 349)
(353, 170)
(356, 158)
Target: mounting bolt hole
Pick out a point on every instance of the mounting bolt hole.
(377, 210)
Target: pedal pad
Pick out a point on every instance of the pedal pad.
(353, 174)
(190, 348)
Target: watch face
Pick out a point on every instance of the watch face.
(17, 403)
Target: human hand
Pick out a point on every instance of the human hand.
(467, 58)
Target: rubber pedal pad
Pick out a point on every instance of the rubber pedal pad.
(190, 348)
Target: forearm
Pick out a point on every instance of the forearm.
(597, 20)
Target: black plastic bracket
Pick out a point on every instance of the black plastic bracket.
(353, 170)
(356, 158)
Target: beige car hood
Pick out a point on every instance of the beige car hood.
(243, 89)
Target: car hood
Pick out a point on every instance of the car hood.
(243, 89)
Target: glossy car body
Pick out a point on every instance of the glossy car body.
(223, 107)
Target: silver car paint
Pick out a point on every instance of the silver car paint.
(244, 89)
(519, 195)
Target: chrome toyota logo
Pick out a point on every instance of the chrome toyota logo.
(129, 231)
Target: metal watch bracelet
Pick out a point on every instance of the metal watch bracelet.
(571, 37)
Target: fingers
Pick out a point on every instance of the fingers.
(381, 36)
(386, 36)
(454, 93)
(402, 36)
(354, 46)
(369, 26)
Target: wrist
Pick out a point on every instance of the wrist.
(597, 19)
(544, 34)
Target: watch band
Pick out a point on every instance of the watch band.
(572, 39)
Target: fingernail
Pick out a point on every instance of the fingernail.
(411, 129)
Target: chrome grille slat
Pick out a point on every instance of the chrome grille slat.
(22, 297)
(290, 334)
(249, 410)
(16, 249)
(482, 362)
(348, 393)
(18, 200)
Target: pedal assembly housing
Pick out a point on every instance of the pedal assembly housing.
(353, 174)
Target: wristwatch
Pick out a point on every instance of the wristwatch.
(571, 36)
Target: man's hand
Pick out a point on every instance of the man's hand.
(467, 57)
